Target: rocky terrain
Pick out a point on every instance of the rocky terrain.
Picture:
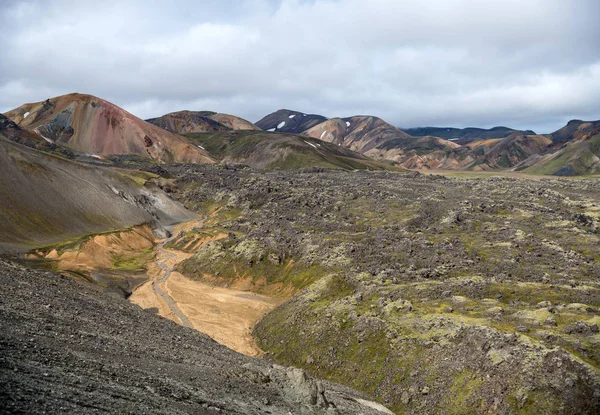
(92, 125)
(185, 122)
(68, 348)
(432, 294)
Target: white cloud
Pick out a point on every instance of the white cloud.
(528, 63)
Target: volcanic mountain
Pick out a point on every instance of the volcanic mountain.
(579, 156)
(375, 138)
(287, 121)
(92, 125)
(183, 122)
(266, 150)
(575, 129)
(464, 135)
(39, 204)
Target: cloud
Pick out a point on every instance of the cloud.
(530, 64)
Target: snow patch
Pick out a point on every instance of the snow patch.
(310, 144)
(25, 115)
(199, 146)
(271, 130)
(48, 140)
(323, 135)
(292, 116)
(281, 125)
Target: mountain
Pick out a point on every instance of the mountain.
(360, 133)
(512, 150)
(376, 138)
(92, 125)
(266, 150)
(574, 130)
(46, 199)
(579, 156)
(464, 134)
(184, 122)
(233, 122)
(286, 121)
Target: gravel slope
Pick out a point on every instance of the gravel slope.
(67, 348)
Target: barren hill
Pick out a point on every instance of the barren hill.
(184, 122)
(46, 199)
(266, 150)
(287, 121)
(93, 125)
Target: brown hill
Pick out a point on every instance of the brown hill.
(360, 133)
(233, 122)
(580, 156)
(47, 199)
(93, 125)
(268, 151)
(574, 130)
(512, 150)
(186, 122)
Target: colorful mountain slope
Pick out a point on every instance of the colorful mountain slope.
(184, 122)
(464, 134)
(93, 125)
(265, 150)
(46, 199)
(580, 156)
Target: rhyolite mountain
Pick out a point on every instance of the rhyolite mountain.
(287, 121)
(46, 199)
(570, 150)
(184, 122)
(578, 156)
(464, 134)
(574, 129)
(375, 138)
(92, 125)
(268, 151)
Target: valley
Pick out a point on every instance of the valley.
(226, 315)
(466, 285)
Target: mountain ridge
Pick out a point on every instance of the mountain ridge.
(93, 125)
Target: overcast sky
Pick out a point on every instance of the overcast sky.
(522, 63)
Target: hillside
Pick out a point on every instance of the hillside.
(464, 134)
(360, 133)
(287, 121)
(574, 130)
(185, 122)
(512, 150)
(579, 156)
(265, 150)
(436, 295)
(46, 199)
(93, 125)
(67, 348)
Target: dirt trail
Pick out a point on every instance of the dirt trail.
(226, 315)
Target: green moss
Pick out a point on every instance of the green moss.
(134, 262)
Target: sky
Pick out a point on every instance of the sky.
(530, 64)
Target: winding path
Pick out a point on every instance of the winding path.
(159, 291)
